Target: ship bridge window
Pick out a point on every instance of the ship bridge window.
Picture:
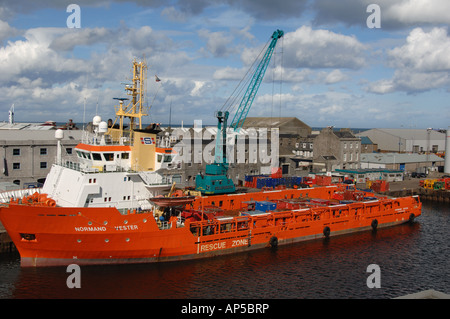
(83, 155)
(109, 156)
(160, 158)
(96, 157)
(125, 155)
(167, 159)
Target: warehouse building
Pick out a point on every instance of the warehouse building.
(406, 140)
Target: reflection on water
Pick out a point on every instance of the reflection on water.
(412, 258)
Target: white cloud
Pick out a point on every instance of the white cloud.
(33, 58)
(424, 51)
(84, 36)
(335, 76)
(218, 43)
(394, 13)
(228, 73)
(310, 48)
(196, 91)
(6, 31)
(421, 64)
(332, 109)
(410, 12)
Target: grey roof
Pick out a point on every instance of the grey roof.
(273, 122)
(365, 140)
(25, 126)
(393, 158)
(408, 134)
(33, 135)
(344, 134)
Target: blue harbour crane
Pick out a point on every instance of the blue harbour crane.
(215, 179)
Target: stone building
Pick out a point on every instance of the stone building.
(195, 148)
(28, 154)
(336, 149)
(296, 142)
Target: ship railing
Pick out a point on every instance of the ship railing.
(168, 225)
(6, 196)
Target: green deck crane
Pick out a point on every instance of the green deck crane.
(215, 180)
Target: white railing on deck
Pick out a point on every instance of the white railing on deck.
(6, 196)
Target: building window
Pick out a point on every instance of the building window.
(69, 151)
(43, 151)
(16, 165)
(16, 151)
(43, 165)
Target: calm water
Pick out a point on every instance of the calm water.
(412, 258)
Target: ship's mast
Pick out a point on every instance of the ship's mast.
(134, 110)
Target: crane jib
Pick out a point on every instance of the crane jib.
(216, 173)
(252, 89)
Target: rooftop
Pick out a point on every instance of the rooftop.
(393, 158)
(408, 134)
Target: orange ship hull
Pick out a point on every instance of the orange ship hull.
(50, 236)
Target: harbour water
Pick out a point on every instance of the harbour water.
(411, 258)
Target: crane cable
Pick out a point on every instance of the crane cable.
(232, 101)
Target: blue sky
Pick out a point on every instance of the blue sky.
(330, 68)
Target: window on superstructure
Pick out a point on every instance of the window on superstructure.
(167, 159)
(125, 155)
(96, 157)
(160, 158)
(109, 156)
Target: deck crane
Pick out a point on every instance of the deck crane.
(215, 180)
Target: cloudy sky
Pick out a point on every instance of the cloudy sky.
(330, 68)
